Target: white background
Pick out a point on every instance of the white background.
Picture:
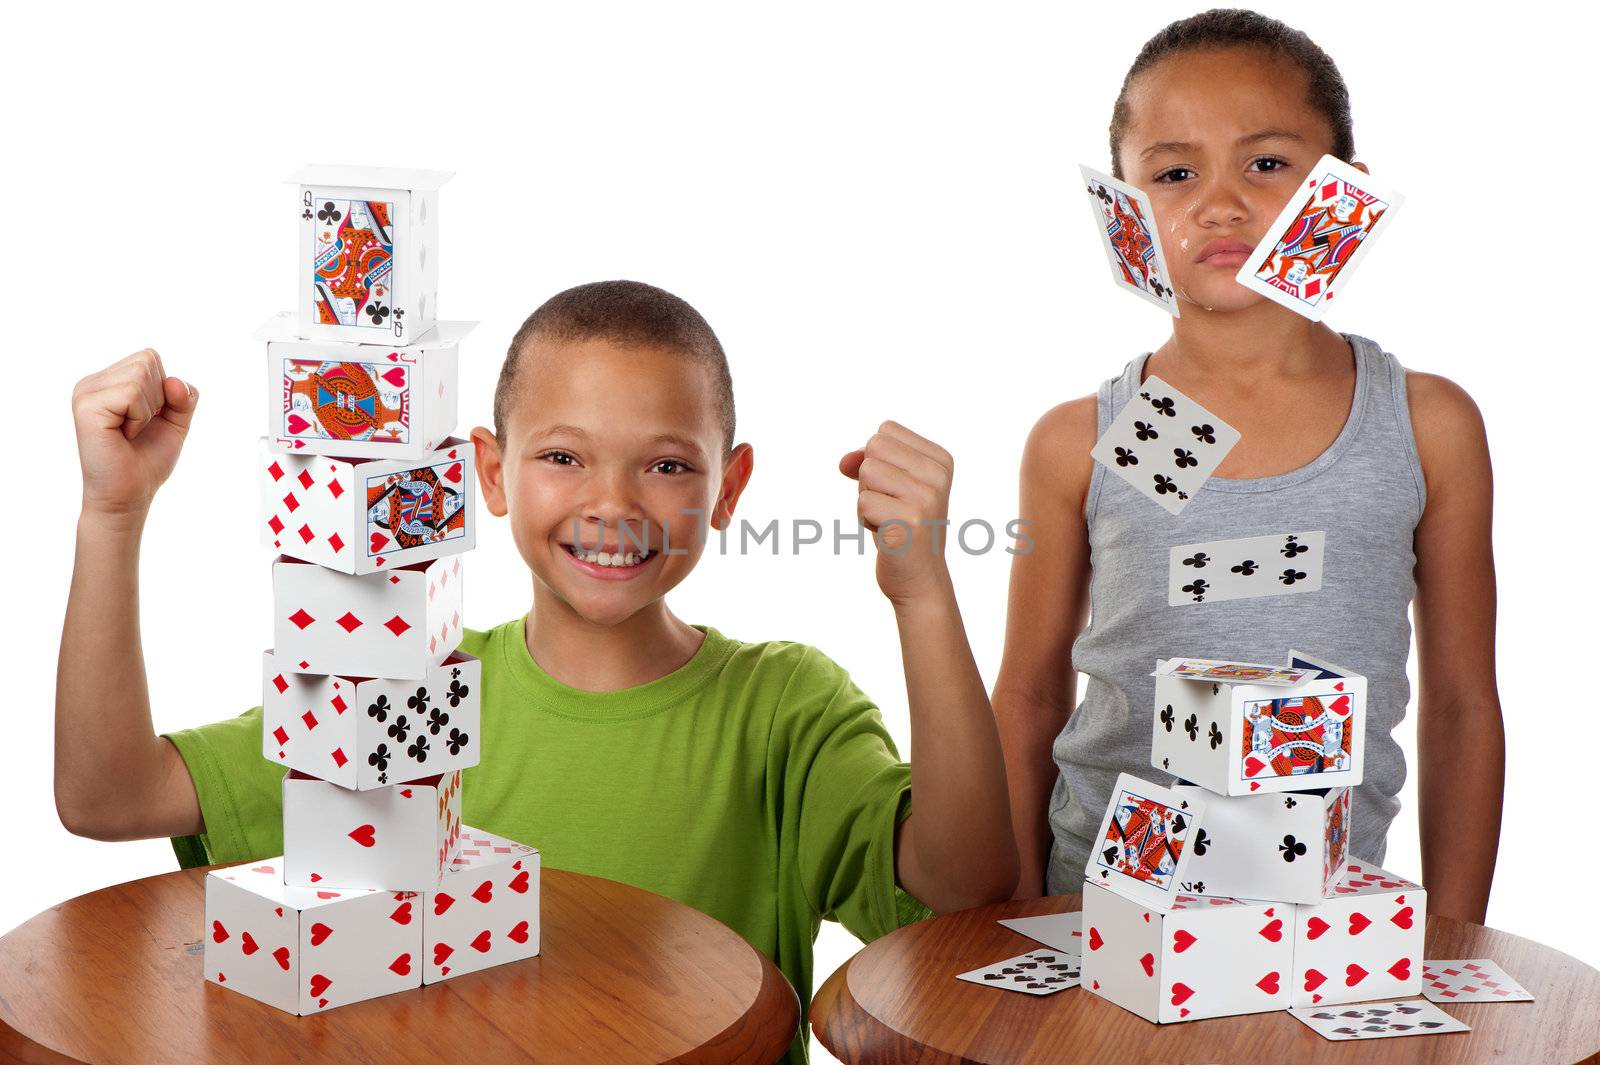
(878, 211)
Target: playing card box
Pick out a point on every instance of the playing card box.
(1243, 738)
(368, 732)
(353, 401)
(398, 838)
(401, 624)
(369, 252)
(1288, 847)
(306, 950)
(1363, 943)
(1206, 957)
(485, 911)
(367, 515)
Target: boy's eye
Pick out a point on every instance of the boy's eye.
(669, 466)
(1174, 175)
(560, 458)
(1272, 164)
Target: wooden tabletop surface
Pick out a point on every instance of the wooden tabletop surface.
(623, 976)
(898, 1001)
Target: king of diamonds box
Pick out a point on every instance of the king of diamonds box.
(359, 401)
(1233, 737)
(369, 253)
(1290, 847)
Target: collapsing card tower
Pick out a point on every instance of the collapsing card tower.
(367, 501)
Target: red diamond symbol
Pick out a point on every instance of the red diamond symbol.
(304, 664)
(338, 757)
(281, 684)
(276, 471)
(396, 625)
(310, 719)
(338, 704)
(336, 488)
(335, 543)
(275, 525)
(281, 736)
(306, 534)
(433, 642)
(457, 567)
(455, 619)
(291, 502)
(306, 480)
(301, 619)
(394, 579)
(349, 623)
(431, 590)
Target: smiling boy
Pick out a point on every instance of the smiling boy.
(753, 781)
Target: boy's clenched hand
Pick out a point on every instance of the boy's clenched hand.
(131, 420)
(904, 496)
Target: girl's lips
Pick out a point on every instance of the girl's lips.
(609, 573)
(1230, 253)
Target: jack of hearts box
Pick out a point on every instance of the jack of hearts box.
(485, 911)
(398, 838)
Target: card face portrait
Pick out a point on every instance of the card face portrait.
(1308, 253)
(1254, 566)
(1143, 844)
(352, 262)
(415, 507)
(1378, 1020)
(1038, 972)
(1470, 980)
(1126, 224)
(1230, 672)
(1302, 735)
(1164, 444)
(346, 401)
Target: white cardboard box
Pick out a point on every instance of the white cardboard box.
(1363, 943)
(398, 838)
(1288, 847)
(486, 909)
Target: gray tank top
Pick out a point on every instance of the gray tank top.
(1365, 491)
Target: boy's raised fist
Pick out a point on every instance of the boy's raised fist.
(131, 419)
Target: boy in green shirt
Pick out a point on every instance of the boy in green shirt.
(754, 782)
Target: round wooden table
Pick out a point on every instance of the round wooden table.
(898, 1001)
(623, 976)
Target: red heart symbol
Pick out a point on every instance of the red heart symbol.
(519, 933)
(327, 894)
(1146, 918)
(519, 883)
(1315, 927)
(1181, 941)
(1401, 970)
(402, 914)
(1097, 985)
(376, 542)
(1358, 921)
(319, 984)
(1403, 918)
(316, 877)
(395, 376)
(262, 869)
(365, 835)
(1353, 974)
(1253, 765)
(1314, 979)
(441, 903)
(401, 966)
(218, 933)
(1255, 786)
(278, 910)
(452, 453)
(1181, 993)
(1341, 705)
(1273, 930)
(481, 942)
(453, 474)
(248, 945)
(1339, 687)
(485, 892)
(1269, 911)
(441, 951)
(1269, 983)
(406, 794)
(281, 956)
(1184, 1012)
(222, 978)
(319, 932)
(1149, 963)
(297, 424)
(1095, 942)
(445, 971)
(321, 1002)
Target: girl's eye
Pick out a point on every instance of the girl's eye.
(1274, 167)
(1172, 176)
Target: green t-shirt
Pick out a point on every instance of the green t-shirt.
(756, 783)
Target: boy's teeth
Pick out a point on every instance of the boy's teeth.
(605, 558)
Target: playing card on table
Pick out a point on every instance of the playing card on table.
(1038, 972)
(1126, 224)
(1307, 255)
(1378, 1020)
(1470, 980)
(1143, 848)
(1165, 444)
(1230, 672)
(1248, 568)
(1063, 931)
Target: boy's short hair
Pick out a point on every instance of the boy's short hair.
(623, 312)
(1234, 28)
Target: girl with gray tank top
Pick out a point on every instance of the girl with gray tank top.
(1219, 120)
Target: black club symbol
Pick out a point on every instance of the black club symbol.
(306, 214)
(458, 691)
(1290, 575)
(1166, 763)
(1126, 457)
(1191, 725)
(1145, 431)
(329, 213)
(379, 710)
(1164, 406)
(1099, 192)
(1291, 848)
(1197, 589)
(1165, 484)
(1289, 803)
(1184, 458)
(377, 312)
(1247, 568)
(1204, 433)
(437, 719)
(419, 749)
(418, 702)
(1183, 495)
(1201, 842)
(379, 757)
(400, 729)
(1198, 560)
(1167, 717)
(1198, 887)
(456, 741)
(1215, 736)
(1293, 547)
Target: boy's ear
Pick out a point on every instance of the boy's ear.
(736, 472)
(1362, 167)
(491, 474)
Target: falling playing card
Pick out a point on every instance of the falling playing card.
(1378, 1020)
(1038, 972)
(1126, 224)
(1326, 227)
(1248, 568)
(1063, 931)
(1230, 672)
(1474, 980)
(1165, 444)
(1142, 847)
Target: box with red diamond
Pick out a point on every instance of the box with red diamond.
(398, 838)
(357, 401)
(306, 950)
(1290, 847)
(1363, 943)
(369, 732)
(400, 624)
(1207, 957)
(486, 909)
(368, 515)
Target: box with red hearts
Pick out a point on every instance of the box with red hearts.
(356, 401)
(398, 838)
(1288, 847)
(1207, 957)
(368, 515)
(305, 950)
(1242, 739)
(486, 909)
(364, 733)
(401, 624)
(1363, 943)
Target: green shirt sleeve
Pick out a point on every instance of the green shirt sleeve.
(240, 792)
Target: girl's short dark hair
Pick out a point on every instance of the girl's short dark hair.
(1239, 28)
